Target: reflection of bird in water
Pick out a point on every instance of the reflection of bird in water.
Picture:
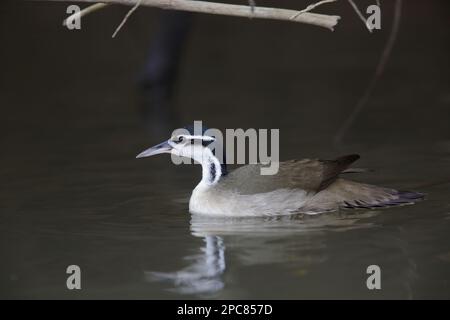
(253, 241)
(300, 186)
(201, 277)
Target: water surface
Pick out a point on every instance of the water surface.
(73, 193)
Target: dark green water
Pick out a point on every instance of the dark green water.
(72, 192)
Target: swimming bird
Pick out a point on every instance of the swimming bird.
(308, 186)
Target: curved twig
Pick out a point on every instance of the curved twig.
(311, 7)
(360, 15)
(84, 12)
(378, 72)
(138, 2)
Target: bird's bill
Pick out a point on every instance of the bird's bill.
(163, 147)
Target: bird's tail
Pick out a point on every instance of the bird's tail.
(355, 195)
(392, 198)
(348, 194)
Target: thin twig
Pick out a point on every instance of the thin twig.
(360, 15)
(84, 12)
(126, 17)
(321, 20)
(311, 7)
(378, 72)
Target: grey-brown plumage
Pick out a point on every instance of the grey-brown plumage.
(321, 179)
(306, 174)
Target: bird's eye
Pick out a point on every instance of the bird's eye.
(180, 139)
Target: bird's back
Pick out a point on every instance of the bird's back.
(310, 175)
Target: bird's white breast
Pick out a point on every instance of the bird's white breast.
(210, 200)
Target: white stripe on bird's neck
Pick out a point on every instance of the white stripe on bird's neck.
(211, 168)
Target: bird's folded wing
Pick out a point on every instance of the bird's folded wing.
(310, 175)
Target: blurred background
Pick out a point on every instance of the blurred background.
(77, 106)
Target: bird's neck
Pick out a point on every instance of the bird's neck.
(212, 170)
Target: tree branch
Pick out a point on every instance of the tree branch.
(321, 20)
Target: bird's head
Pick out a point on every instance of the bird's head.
(183, 145)
(185, 142)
